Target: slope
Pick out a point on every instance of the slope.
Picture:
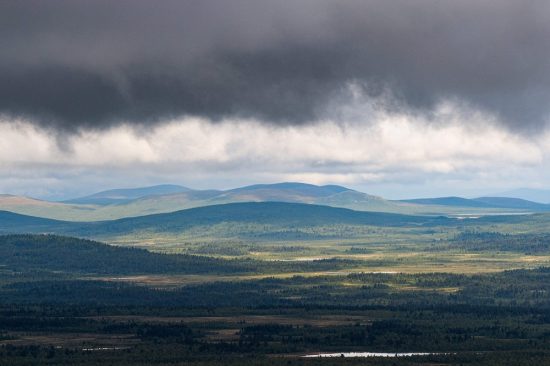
(515, 203)
(66, 255)
(117, 204)
(16, 223)
(482, 202)
(117, 196)
(252, 216)
(449, 201)
(530, 194)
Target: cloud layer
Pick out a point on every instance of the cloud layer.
(394, 155)
(76, 64)
(385, 96)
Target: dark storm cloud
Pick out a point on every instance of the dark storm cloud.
(72, 64)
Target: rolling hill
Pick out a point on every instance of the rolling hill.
(279, 214)
(66, 255)
(516, 203)
(16, 223)
(449, 201)
(530, 194)
(288, 191)
(117, 196)
(483, 202)
(41, 208)
(120, 203)
(263, 216)
(221, 227)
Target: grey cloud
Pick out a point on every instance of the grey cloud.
(71, 64)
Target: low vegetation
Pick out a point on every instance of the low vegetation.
(270, 289)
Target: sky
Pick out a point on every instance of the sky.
(396, 98)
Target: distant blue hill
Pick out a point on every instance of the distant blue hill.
(134, 202)
(294, 187)
(124, 195)
(482, 202)
(118, 203)
(517, 203)
(530, 194)
(449, 201)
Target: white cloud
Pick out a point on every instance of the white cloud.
(392, 148)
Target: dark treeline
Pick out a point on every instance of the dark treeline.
(53, 313)
(518, 288)
(23, 253)
(479, 241)
(58, 253)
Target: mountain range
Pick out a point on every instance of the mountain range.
(132, 202)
